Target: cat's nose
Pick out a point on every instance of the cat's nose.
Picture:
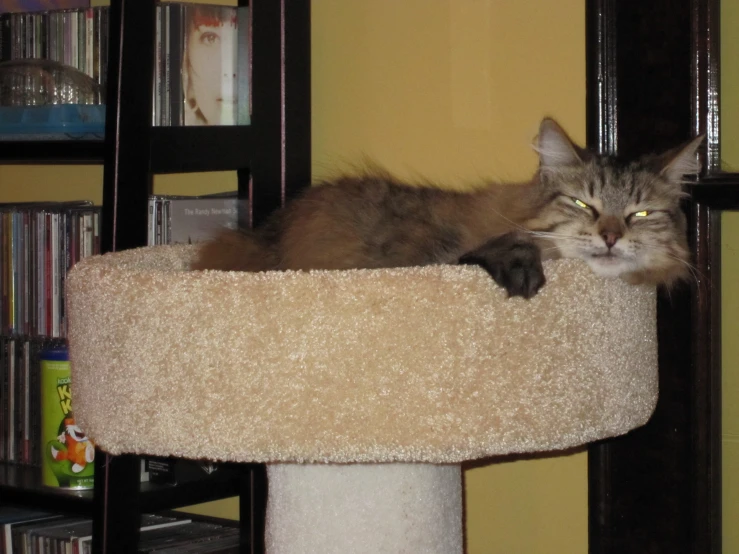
(610, 238)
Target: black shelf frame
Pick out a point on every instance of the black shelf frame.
(52, 152)
(653, 81)
(188, 149)
(22, 486)
(271, 155)
(272, 158)
(720, 192)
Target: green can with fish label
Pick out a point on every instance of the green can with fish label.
(68, 456)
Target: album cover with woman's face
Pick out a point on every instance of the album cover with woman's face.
(201, 65)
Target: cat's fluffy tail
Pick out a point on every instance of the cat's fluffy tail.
(235, 250)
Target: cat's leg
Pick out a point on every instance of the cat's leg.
(513, 260)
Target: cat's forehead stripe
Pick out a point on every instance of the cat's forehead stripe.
(609, 179)
(591, 186)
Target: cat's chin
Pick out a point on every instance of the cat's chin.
(609, 266)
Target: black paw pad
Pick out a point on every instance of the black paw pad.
(513, 261)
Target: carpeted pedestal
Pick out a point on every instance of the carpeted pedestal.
(323, 374)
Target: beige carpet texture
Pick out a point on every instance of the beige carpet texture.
(425, 364)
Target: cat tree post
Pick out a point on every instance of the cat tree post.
(364, 509)
(354, 380)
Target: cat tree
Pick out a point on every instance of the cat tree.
(363, 390)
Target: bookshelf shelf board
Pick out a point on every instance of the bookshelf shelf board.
(21, 485)
(208, 148)
(155, 498)
(720, 193)
(52, 152)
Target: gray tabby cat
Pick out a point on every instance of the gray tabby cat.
(623, 219)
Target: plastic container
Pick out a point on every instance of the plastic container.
(68, 456)
(52, 122)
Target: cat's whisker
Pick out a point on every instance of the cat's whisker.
(661, 247)
(550, 249)
(559, 236)
(552, 234)
(695, 273)
(516, 226)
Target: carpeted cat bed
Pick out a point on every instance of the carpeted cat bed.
(430, 365)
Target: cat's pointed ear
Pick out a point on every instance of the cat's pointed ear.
(674, 164)
(556, 149)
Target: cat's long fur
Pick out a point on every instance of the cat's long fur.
(624, 219)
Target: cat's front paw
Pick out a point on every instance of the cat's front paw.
(513, 260)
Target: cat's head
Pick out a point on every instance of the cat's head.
(623, 218)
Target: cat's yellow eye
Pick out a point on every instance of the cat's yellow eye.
(580, 203)
(643, 213)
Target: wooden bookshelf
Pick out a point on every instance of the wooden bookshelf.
(658, 489)
(22, 486)
(52, 152)
(272, 160)
(185, 149)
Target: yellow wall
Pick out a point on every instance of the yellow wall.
(33, 183)
(730, 379)
(452, 91)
